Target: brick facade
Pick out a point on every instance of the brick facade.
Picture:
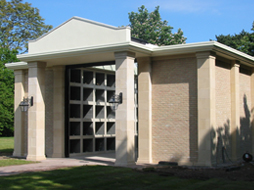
(244, 132)
(174, 110)
(221, 136)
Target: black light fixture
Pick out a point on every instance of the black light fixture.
(24, 105)
(115, 100)
(247, 157)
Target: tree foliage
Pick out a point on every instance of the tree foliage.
(19, 23)
(244, 41)
(149, 27)
(6, 91)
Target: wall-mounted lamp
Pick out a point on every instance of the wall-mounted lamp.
(115, 101)
(24, 105)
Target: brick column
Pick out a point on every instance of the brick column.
(144, 110)
(235, 109)
(58, 112)
(252, 106)
(19, 116)
(36, 113)
(206, 106)
(125, 150)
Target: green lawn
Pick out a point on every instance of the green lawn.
(6, 149)
(102, 177)
(111, 178)
(6, 145)
(10, 162)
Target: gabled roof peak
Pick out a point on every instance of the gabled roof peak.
(77, 33)
(84, 20)
(97, 23)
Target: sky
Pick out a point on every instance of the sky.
(200, 20)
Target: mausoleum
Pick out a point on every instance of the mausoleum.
(189, 103)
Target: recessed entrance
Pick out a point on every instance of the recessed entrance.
(91, 121)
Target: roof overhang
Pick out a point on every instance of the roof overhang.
(220, 50)
(106, 53)
(86, 55)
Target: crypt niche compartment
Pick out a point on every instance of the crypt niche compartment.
(91, 121)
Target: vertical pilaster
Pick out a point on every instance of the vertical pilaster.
(252, 106)
(19, 116)
(125, 149)
(235, 112)
(58, 112)
(145, 110)
(36, 113)
(206, 106)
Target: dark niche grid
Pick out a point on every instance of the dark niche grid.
(92, 121)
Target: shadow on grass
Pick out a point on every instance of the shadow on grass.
(105, 177)
(6, 152)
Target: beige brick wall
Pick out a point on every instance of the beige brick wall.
(223, 111)
(244, 134)
(174, 110)
(49, 90)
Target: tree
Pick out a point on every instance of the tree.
(244, 41)
(19, 23)
(6, 91)
(149, 27)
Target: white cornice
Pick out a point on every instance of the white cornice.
(203, 46)
(218, 47)
(125, 46)
(151, 51)
(182, 48)
(17, 65)
(194, 47)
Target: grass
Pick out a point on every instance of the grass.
(103, 177)
(6, 149)
(10, 162)
(6, 145)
